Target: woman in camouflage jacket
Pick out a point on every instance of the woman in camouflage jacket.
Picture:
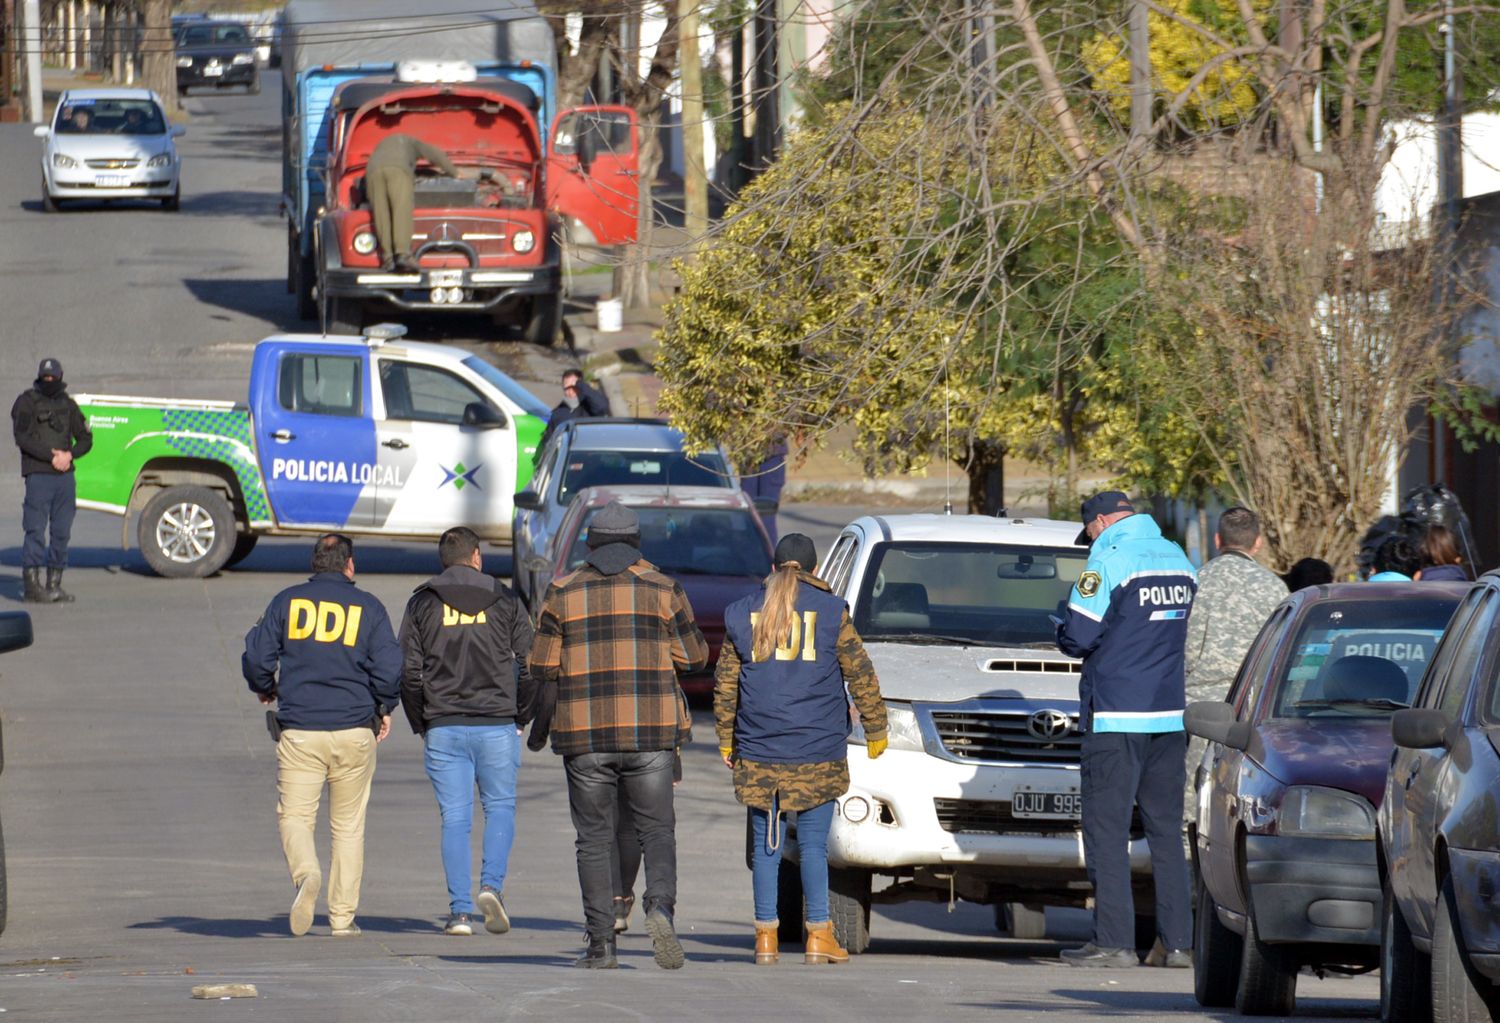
(781, 708)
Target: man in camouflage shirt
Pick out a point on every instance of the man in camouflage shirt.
(1236, 595)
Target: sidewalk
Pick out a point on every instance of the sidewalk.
(624, 363)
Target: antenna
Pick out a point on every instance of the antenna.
(947, 456)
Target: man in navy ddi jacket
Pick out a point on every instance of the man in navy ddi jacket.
(340, 675)
(1127, 618)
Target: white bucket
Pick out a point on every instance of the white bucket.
(611, 313)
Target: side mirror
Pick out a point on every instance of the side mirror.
(177, 131)
(41, 131)
(1215, 722)
(15, 631)
(483, 417)
(767, 505)
(1420, 728)
(529, 500)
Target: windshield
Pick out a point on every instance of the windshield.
(528, 402)
(622, 468)
(694, 541)
(1359, 658)
(110, 117)
(981, 593)
(208, 35)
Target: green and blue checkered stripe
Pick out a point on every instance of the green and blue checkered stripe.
(221, 437)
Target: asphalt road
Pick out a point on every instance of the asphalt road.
(138, 797)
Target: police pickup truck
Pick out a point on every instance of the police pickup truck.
(368, 435)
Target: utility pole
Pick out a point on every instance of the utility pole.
(1450, 157)
(1140, 69)
(694, 173)
(31, 47)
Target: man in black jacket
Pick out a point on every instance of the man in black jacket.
(467, 692)
(579, 401)
(52, 434)
(339, 679)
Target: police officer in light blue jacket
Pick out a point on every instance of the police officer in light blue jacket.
(1127, 618)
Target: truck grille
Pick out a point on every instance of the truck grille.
(488, 237)
(1004, 737)
(973, 817)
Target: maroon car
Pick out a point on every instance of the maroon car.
(710, 539)
(1285, 850)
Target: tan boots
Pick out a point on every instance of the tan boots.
(767, 947)
(822, 946)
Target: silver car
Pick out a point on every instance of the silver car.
(110, 144)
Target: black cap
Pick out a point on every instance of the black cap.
(612, 524)
(49, 368)
(1105, 503)
(799, 548)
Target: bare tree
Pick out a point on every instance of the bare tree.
(158, 63)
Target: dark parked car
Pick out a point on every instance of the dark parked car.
(599, 453)
(15, 633)
(1285, 858)
(216, 53)
(1440, 830)
(707, 538)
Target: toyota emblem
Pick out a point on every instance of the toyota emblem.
(1049, 725)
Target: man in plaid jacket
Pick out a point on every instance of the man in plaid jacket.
(610, 641)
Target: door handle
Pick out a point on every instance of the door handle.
(1411, 775)
(395, 442)
(283, 435)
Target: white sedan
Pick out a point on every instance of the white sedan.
(110, 144)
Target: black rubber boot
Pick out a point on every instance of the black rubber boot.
(32, 590)
(600, 955)
(55, 593)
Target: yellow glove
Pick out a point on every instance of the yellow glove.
(726, 753)
(875, 747)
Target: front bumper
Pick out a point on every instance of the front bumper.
(231, 74)
(484, 287)
(1324, 890)
(901, 827)
(141, 185)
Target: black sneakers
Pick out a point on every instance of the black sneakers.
(600, 955)
(669, 954)
(623, 905)
(460, 924)
(493, 907)
(1093, 955)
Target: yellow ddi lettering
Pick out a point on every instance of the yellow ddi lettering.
(324, 622)
(807, 624)
(452, 617)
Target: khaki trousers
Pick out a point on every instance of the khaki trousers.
(390, 193)
(345, 760)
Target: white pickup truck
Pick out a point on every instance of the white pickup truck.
(977, 797)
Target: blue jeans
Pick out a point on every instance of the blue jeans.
(457, 757)
(812, 857)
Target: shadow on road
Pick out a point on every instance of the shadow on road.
(264, 298)
(235, 205)
(289, 556)
(274, 927)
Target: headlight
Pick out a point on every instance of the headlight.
(901, 729)
(159, 160)
(184, 61)
(524, 241)
(1308, 811)
(244, 58)
(364, 243)
(59, 160)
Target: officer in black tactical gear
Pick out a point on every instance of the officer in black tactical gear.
(51, 433)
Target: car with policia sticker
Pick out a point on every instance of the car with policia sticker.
(367, 435)
(977, 796)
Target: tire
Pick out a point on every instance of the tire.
(1216, 955)
(1456, 993)
(1020, 921)
(1405, 971)
(790, 910)
(49, 204)
(187, 532)
(253, 89)
(244, 543)
(849, 907)
(544, 320)
(300, 274)
(173, 202)
(342, 316)
(1268, 975)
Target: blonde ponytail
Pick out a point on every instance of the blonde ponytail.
(773, 626)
